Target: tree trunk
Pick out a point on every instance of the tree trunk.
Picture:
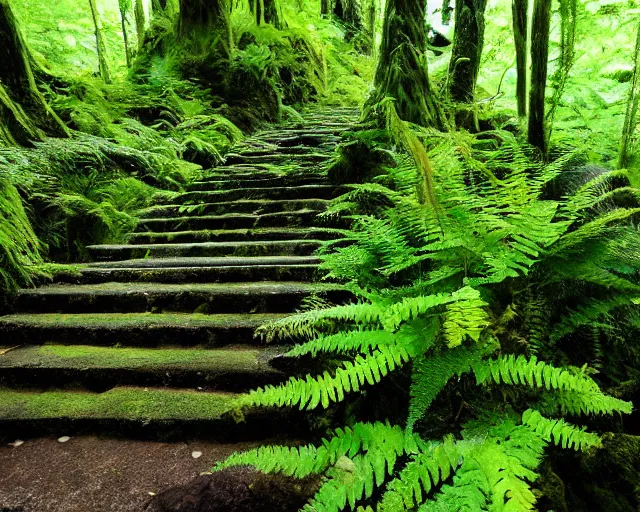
(201, 15)
(468, 41)
(141, 21)
(629, 126)
(100, 44)
(125, 35)
(520, 10)
(324, 8)
(539, 64)
(402, 66)
(24, 113)
(266, 11)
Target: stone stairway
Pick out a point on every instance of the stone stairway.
(155, 336)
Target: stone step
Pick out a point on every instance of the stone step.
(239, 194)
(251, 206)
(195, 274)
(101, 368)
(310, 140)
(276, 158)
(298, 219)
(135, 412)
(205, 249)
(133, 330)
(242, 261)
(257, 297)
(227, 183)
(231, 235)
(256, 147)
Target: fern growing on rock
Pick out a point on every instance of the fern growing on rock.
(473, 269)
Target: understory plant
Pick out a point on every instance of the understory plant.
(486, 276)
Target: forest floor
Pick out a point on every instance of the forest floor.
(91, 474)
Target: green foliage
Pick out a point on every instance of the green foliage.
(19, 246)
(461, 280)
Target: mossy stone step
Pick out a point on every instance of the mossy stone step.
(266, 149)
(148, 413)
(311, 141)
(235, 158)
(196, 274)
(243, 261)
(133, 330)
(251, 206)
(237, 194)
(256, 297)
(102, 368)
(235, 221)
(263, 182)
(257, 248)
(234, 235)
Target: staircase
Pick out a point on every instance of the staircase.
(155, 337)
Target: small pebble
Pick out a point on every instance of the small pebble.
(152, 493)
(16, 443)
(196, 455)
(63, 439)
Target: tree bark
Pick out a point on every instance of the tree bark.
(125, 36)
(141, 21)
(324, 8)
(468, 41)
(539, 66)
(266, 11)
(402, 66)
(25, 116)
(519, 9)
(201, 15)
(347, 12)
(101, 47)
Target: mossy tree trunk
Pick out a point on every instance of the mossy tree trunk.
(266, 11)
(202, 16)
(25, 116)
(141, 21)
(468, 41)
(445, 13)
(101, 46)
(402, 66)
(633, 103)
(325, 8)
(539, 66)
(520, 9)
(125, 6)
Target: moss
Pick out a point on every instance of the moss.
(118, 403)
(87, 357)
(131, 320)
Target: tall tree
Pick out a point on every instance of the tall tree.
(266, 11)
(101, 46)
(632, 108)
(348, 12)
(539, 66)
(468, 41)
(141, 21)
(202, 15)
(402, 66)
(325, 8)
(25, 116)
(125, 7)
(520, 10)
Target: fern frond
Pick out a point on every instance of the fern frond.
(559, 431)
(431, 374)
(323, 390)
(344, 342)
(585, 394)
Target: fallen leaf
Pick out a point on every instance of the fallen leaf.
(4, 351)
(63, 439)
(16, 443)
(152, 493)
(196, 455)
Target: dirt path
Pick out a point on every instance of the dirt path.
(89, 474)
